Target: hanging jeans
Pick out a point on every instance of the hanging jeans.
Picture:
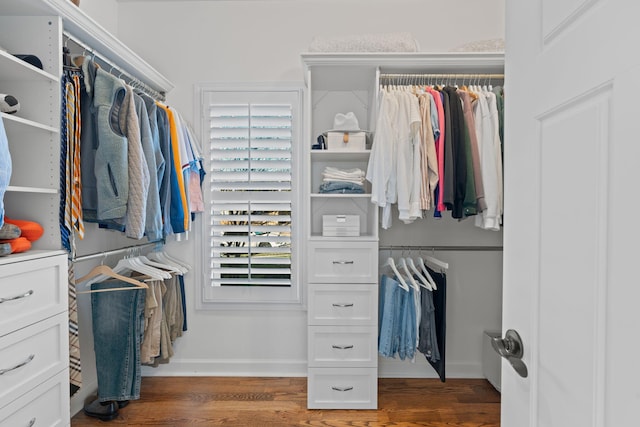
(396, 320)
(118, 328)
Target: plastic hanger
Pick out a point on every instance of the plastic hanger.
(391, 263)
(162, 256)
(427, 275)
(102, 271)
(422, 281)
(125, 265)
(136, 264)
(436, 262)
(159, 265)
(414, 284)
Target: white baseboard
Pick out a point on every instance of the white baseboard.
(392, 368)
(298, 368)
(228, 368)
(89, 388)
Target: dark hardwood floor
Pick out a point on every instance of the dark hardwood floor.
(281, 402)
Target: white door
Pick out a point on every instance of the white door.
(572, 201)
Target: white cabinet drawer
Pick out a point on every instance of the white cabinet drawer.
(343, 262)
(45, 406)
(342, 388)
(32, 290)
(343, 346)
(31, 355)
(340, 304)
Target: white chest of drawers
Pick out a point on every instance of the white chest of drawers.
(342, 325)
(34, 345)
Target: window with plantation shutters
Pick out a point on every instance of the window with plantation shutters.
(251, 195)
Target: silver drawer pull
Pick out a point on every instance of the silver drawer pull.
(19, 365)
(341, 388)
(345, 304)
(26, 294)
(32, 422)
(342, 347)
(343, 262)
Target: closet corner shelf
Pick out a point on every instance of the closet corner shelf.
(451, 62)
(12, 68)
(340, 196)
(362, 238)
(36, 190)
(77, 23)
(30, 255)
(12, 118)
(337, 155)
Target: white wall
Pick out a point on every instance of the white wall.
(192, 42)
(104, 12)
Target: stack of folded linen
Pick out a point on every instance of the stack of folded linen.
(336, 180)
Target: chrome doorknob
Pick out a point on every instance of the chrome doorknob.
(510, 347)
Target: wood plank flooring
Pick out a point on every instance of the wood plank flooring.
(281, 402)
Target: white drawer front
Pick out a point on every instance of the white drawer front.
(33, 354)
(343, 262)
(342, 388)
(46, 405)
(343, 304)
(32, 290)
(343, 346)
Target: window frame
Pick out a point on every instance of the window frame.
(251, 297)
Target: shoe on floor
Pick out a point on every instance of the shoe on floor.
(105, 411)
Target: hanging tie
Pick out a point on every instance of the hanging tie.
(75, 368)
(76, 196)
(64, 168)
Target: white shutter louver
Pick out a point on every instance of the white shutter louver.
(250, 172)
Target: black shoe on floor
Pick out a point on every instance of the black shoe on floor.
(122, 403)
(105, 411)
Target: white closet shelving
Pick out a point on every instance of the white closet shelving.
(33, 295)
(342, 272)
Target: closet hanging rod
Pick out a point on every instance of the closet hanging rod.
(115, 251)
(160, 96)
(440, 248)
(442, 75)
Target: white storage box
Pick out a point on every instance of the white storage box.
(340, 225)
(346, 141)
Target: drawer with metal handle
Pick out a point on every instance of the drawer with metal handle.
(337, 388)
(31, 291)
(342, 346)
(31, 355)
(340, 304)
(45, 405)
(343, 262)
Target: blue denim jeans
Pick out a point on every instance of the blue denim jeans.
(5, 168)
(397, 334)
(118, 328)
